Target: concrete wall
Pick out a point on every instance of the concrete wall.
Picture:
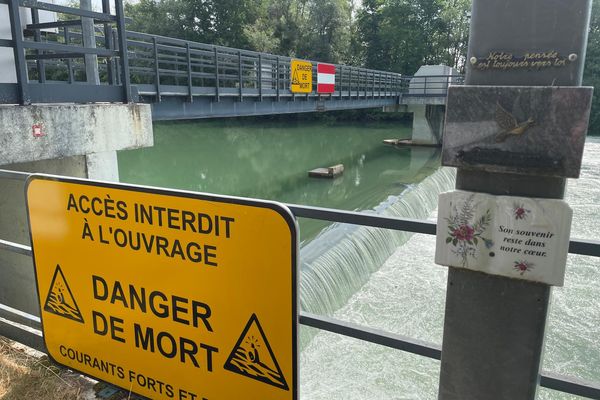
(42, 132)
(78, 141)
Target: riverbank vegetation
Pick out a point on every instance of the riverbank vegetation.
(391, 35)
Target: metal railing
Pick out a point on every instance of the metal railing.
(162, 66)
(157, 66)
(42, 49)
(26, 328)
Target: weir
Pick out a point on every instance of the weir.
(341, 259)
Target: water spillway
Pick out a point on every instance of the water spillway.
(340, 260)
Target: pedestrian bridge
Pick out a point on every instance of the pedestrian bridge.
(61, 61)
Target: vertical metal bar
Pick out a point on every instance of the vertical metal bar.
(350, 87)
(341, 86)
(41, 67)
(217, 98)
(289, 79)
(156, 69)
(19, 51)
(379, 85)
(189, 72)
(108, 43)
(259, 77)
(125, 78)
(373, 87)
(240, 77)
(88, 38)
(277, 70)
(425, 86)
(67, 37)
(117, 63)
(357, 83)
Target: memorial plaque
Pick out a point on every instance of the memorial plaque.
(516, 237)
(515, 129)
(512, 42)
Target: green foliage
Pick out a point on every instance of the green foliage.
(401, 35)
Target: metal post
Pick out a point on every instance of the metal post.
(67, 37)
(41, 68)
(277, 78)
(259, 77)
(156, 69)
(217, 98)
(89, 41)
(494, 326)
(19, 52)
(189, 71)
(125, 78)
(240, 77)
(108, 44)
(341, 86)
(116, 46)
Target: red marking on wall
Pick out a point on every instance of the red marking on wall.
(37, 130)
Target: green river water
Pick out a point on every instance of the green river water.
(270, 160)
(389, 280)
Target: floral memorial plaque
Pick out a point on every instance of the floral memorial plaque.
(517, 129)
(516, 237)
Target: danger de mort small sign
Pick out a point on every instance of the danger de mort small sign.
(172, 295)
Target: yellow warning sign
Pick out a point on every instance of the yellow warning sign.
(172, 295)
(301, 76)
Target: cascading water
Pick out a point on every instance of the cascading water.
(341, 259)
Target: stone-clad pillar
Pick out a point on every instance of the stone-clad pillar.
(494, 325)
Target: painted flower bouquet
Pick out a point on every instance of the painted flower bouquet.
(465, 230)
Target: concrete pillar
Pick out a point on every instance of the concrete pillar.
(428, 122)
(103, 166)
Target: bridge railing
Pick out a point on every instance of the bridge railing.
(429, 85)
(92, 65)
(66, 54)
(26, 328)
(162, 66)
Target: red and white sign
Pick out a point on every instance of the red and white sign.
(325, 78)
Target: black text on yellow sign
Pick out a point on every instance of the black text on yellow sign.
(172, 295)
(301, 76)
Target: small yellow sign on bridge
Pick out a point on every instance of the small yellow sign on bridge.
(301, 76)
(173, 295)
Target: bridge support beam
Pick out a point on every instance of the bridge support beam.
(71, 140)
(428, 123)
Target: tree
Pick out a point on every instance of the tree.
(208, 21)
(402, 35)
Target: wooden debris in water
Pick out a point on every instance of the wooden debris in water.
(408, 143)
(331, 172)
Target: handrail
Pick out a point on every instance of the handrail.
(549, 380)
(52, 48)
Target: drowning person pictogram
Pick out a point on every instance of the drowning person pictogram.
(253, 357)
(60, 300)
